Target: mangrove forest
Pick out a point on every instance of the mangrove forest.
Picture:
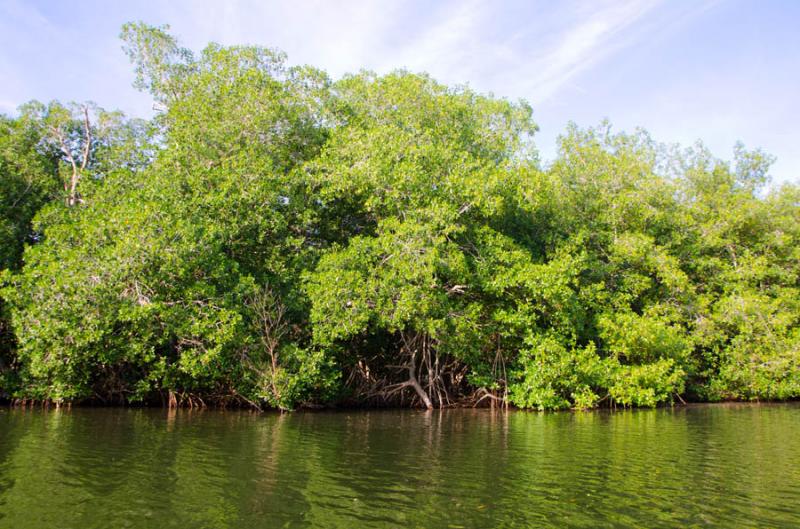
(275, 238)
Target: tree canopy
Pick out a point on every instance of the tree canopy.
(275, 238)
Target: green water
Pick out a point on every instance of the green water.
(707, 466)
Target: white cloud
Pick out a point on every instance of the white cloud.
(446, 46)
(476, 41)
(571, 59)
(337, 36)
(591, 38)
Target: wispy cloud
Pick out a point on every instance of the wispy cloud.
(515, 48)
(573, 59)
(446, 43)
(337, 36)
(590, 36)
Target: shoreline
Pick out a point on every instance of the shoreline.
(5, 405)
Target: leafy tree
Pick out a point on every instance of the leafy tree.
(28, 180)
(145, 288)
(419, 168)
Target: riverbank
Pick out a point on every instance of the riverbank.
(347, 408)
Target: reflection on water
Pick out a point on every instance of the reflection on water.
(706, 466)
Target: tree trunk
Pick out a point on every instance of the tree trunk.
(414, 383)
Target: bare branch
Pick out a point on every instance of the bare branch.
(87, 137)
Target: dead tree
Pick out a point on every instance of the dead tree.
(75, 144)
(270, 319)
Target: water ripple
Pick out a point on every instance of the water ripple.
(704, 466)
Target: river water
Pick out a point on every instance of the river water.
(727, 466)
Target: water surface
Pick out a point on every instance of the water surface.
(705, 466)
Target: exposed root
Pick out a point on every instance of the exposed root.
(435, 381)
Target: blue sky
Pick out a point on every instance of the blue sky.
(716, 70)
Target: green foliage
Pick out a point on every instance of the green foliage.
(142, 287)
(276, 239)
(553, 376)
(28, 181)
